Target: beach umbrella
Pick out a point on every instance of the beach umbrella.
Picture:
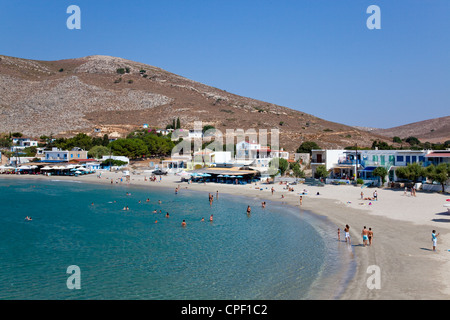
(206, 175)
(239, 177)
(220, 176)
(226, 176)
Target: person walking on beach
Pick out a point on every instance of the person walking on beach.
(375, 195)
(370, 236)
(434, 239)
(362, 195)
(347, 233)
(365, 234)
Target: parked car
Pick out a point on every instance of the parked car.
(159, 172)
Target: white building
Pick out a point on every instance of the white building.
(195, 134)
(22, 143)
(343, 164)
(221, 157)
(56, 155)
(327, 158)
(64, 155)
(247, 151)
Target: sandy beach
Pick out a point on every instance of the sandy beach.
(402, 226)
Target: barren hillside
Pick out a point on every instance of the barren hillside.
(434, 130)
(77, 95)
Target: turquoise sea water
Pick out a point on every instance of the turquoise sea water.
(275, 253)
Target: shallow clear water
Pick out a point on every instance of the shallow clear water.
(275, 253)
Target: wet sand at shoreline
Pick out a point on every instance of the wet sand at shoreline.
(402, 226)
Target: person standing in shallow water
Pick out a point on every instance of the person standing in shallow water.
(347, 233)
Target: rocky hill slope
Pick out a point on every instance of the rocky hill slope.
(435, 130)
(116, 96)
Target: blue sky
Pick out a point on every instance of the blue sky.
(316, 56)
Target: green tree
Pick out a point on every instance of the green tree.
(381, 172)
(412, 141)
(297, 171)
(81, 140)
(105, 140)
(439, 173)
(272, 171)
(281, 163)
(321, 172)
(412, 172)
(397, 140)
(381, 145)
(98, 151)
(178, 124)
(131, 148)
(5, 141)
(307, 146)
(207, 127)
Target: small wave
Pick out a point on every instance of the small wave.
(66, 181)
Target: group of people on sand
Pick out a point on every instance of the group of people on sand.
(367, 235)
(413, 191)
(152, 178)
(374, 198)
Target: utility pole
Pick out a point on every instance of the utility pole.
(356, 163)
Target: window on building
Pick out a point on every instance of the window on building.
(400, 158)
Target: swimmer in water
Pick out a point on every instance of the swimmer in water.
(28, 218)
(167, 214)
(249, 210)
(183, 224)
(211, 218)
